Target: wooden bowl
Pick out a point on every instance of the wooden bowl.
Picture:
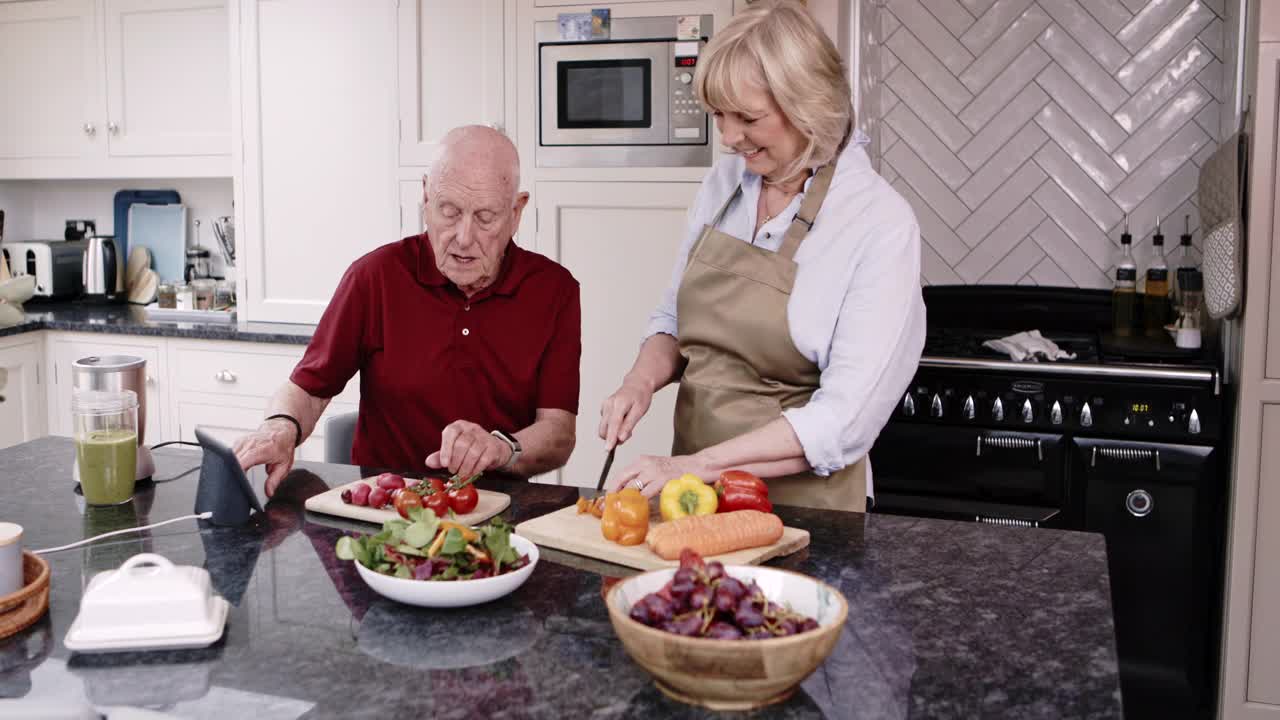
(20, 609)
(732, 674)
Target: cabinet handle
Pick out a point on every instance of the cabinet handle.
(113, 128)
(225, 376)
(89, 129)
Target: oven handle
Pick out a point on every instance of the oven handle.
(1125, 454)
(1011, 442)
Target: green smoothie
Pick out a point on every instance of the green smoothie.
(108, 463)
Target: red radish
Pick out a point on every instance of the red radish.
(390, 481)
(360, 495)
(378, 497)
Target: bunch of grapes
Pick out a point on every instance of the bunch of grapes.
(702, 601)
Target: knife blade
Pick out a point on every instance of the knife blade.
(604, 474)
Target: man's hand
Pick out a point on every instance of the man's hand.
(270, 445)
(467, 449)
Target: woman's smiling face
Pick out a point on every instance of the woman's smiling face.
(760, 132)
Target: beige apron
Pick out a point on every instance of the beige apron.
(742, 367)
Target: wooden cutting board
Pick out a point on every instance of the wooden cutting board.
(579, 533)
(330, 503)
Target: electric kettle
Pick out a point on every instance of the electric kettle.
(100, 268)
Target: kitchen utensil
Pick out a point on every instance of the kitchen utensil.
(105, 426)
(102, 264)
(452, 593)
(56, 265)
(604, 474)
(579, 533)
(116, 373)
(149, 603)
(143, 291)
(732, 674)
(163, 230)
(124, 199)
(330, 503)
(21, 609)
(225, 231)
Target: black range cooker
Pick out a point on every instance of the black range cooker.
(1127, 439)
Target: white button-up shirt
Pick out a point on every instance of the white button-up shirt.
(856, 310)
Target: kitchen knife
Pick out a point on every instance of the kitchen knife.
(604, 474)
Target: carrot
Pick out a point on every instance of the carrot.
(714, 534)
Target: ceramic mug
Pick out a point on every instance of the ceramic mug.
(10, 558)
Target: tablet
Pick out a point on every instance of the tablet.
(224, 488)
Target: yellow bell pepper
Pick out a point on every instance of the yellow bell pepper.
(626, 517)
(687, 495)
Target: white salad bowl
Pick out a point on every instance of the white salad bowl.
(452, 593)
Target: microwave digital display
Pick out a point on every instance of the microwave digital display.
(689, 61)
(604, 93)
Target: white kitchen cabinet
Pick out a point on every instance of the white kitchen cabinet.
(167, 73)
(315, 97)
(452, 58)
(22, 400)
(49, 81)
(227, 423)
(620, 241)
(115, 89)
(411, 208)
(64, 349)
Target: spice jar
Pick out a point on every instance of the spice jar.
(167, 296)
(224, 295)
(185, 298)
(203, 291)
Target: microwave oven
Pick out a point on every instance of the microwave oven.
(624, 101)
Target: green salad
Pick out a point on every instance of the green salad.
(426, 547)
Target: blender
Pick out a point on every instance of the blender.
(115, 373)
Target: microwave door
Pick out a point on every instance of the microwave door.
(605, 93)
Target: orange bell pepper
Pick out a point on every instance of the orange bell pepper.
(626, 517)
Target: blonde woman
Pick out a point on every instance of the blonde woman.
(794, 319)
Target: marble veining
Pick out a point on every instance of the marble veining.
(132, 320)
(947, 619)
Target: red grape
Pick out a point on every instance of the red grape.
(725, 601)
(734, 587)
(723, 631)
(659, 609)
(715, 570)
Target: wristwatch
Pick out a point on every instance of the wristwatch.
(515, 447)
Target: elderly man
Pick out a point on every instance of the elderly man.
(467, 345)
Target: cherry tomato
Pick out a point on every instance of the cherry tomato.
(464, 499)
(405, 500)
(437, 503)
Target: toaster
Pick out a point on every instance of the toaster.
(55, 264)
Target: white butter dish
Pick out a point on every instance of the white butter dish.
(149, 603)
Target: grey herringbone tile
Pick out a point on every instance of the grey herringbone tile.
(1013, 155)
(1093, 160)
(1149, 21)
(1002, 239)
(952, 15)
(1005, 87)
(1016, 264)
(1076, 62)
(929, 108)
(1070, 257)
(945, 242)
(1156, 131)
(932, 150)
(1003, 125)
(993, 23)
(929, 69)
(1087, 32)
(997, 56)
(1095, 121)
(1047, 272)
(918, 175)
(932, 33)
(1164, 46)
(979, 226)
(1172, 156)
(1078, 185)
(1110, 13)
(1152, 96)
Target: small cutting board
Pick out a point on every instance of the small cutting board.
(579, 533)
(330, 503)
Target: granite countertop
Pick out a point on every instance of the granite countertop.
(122, 319)
(947, 619)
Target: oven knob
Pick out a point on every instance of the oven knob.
(997, 410)
(935, 406)
(968, 411)
(1086, 416)
(685, 78)
(1027, 413)
(1055, 413)
(1193, 423)
(908, 405)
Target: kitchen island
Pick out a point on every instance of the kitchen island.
(946, 619)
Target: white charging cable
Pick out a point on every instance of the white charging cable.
(60, 548)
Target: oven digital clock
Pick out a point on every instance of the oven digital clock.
(1139, 408)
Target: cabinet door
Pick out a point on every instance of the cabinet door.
(318, 116)
(620, 241)
(411, 222)
(226, 423)
(168, 83)
(451, 60)
(65, 351)
(49, 80)
(1264, 196)
(1264, 646)
(21, 400)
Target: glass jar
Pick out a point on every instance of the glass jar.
(185, 297)
(203, 292)
(224, 295)
(105, 427)
(167, 296)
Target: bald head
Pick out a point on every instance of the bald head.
(478, 151)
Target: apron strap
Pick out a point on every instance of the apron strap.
(808, 212)
(715, 221)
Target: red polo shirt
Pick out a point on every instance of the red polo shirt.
(427, 355)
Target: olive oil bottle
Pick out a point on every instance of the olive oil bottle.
(1155, 294)
(1124, 298)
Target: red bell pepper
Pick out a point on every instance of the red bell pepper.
(740, 490)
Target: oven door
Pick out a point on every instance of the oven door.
(612, 93)
(1159, 506)
(970, 474)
